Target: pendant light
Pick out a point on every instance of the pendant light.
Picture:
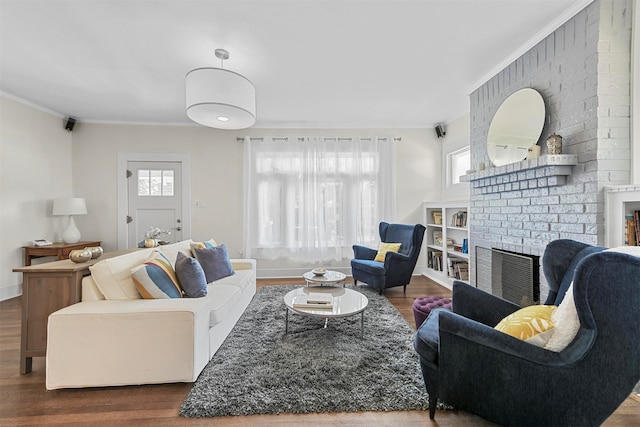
(220, 98)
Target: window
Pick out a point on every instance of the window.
(155, 182)
(311, 200)
(458, 163)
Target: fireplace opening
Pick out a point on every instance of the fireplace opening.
(510, 275)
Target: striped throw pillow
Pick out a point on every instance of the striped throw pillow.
(156, 279)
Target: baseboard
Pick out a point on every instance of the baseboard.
(11, 291)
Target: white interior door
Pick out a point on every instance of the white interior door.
(154, 200)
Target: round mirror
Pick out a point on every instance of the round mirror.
(516, 126)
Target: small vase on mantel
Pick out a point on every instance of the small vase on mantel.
(554, 144)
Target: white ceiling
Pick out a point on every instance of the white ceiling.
(314, 63)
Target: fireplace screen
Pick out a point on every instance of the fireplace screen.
(509, 275)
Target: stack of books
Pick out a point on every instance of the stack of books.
(632, 229)
(313, 300)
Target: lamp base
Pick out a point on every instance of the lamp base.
(71, 234)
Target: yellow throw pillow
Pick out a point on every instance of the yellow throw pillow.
(384, 248)
(528, 322)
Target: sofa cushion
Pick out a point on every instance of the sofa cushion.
(243, 279)
(156, 279)
(171, 250)
(215, 262)
(211, 243)
(222, 298)
(113, 275)
(372, 267)
(191, 276)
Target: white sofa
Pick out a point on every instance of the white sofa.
(113, 337)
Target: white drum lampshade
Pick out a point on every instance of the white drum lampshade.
(220, 98)
(70, 206)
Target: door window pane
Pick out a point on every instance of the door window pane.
(155, 182)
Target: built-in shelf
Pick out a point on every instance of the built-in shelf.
(446, 221)
(620, 201)
(544, 171)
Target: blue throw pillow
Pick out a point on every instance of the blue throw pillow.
(215, 262)
(191, 276)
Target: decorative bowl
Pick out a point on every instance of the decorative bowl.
(96, 251)
(319, 271)
(80, 255)
(150, 243)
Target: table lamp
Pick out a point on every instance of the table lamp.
(70, 206)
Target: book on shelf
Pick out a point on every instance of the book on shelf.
(439, 241)
(435, 260)
(437, 217)
(458, 269)
(313, 300)
(437, 237)
(459, 219)
(630, 231)
(636, 224)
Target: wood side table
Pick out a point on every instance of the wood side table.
(60, 250)
(46, 288)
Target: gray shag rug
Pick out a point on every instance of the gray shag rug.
(260, 370)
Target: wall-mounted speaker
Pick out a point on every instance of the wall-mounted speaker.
(70, 124)
(440, 133)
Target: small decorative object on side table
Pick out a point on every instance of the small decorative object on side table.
(59, 250)
(80, 255)
(152, 238)
(329, 278)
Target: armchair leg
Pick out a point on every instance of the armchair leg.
(355, 282)
(405, 289)
(433, 402)
(380, 291)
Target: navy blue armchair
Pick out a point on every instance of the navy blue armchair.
(397, 267)
(473, 367)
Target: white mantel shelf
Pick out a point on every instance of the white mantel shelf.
(544, 171)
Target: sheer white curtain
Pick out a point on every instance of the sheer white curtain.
(310, 199)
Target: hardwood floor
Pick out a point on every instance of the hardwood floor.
(24, 400)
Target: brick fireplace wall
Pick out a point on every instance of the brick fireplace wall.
(583, 72)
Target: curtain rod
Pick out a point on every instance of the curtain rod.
(300, 138)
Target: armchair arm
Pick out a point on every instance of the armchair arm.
(479, 305)
(396, 257)
(461, 337)
(363, 252)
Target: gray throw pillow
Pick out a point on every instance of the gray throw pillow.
(215, 262)
(191, 276)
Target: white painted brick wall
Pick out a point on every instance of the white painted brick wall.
(582, 71)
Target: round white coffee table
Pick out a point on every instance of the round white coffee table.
(346, 302)
(330, 277)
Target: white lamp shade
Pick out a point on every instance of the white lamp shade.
(69, 206)
(220, 98)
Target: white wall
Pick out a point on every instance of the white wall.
(216, 164)
(35, 167)
(458, 136)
